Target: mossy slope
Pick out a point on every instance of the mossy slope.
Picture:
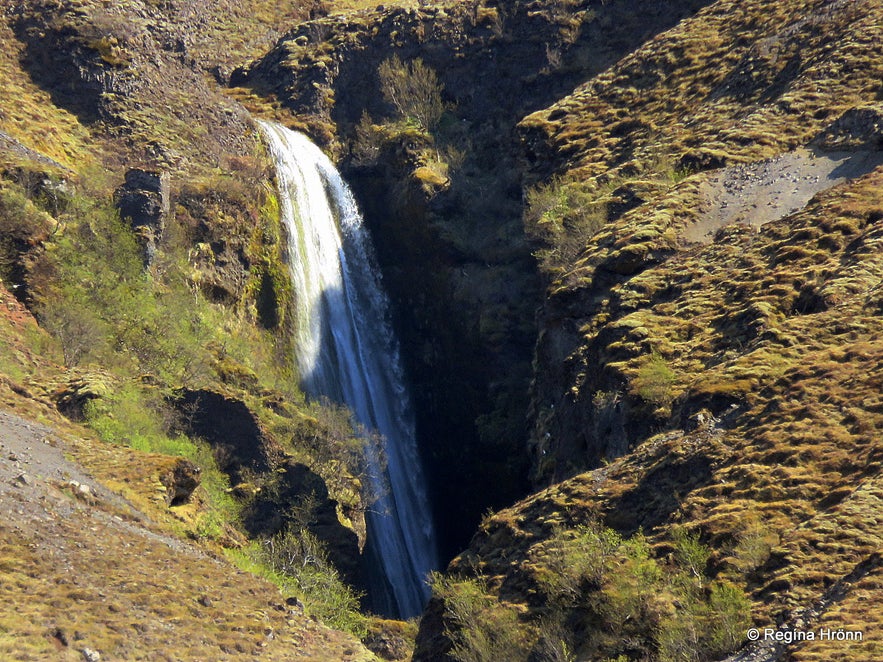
(733, 388)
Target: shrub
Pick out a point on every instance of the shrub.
(574, 559)
(93, 293)
(481, 628)
(753, 545)
(298, 562)
(632, 593)
(413, 89)
(607, 596)
(690, 554)
(729, 614)
(562, 215)
(367, 141)
(655, 381)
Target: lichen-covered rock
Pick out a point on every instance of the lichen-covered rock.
(857, 129)
(79, 388)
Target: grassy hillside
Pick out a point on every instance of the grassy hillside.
(722, 386)
(160, 371)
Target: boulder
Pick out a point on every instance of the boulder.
(71, 396)
(239, 442)
(180, 480)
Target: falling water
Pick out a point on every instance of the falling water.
(346, 351)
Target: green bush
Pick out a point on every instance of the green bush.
(691, 555)
(298, 563)
(753, 545)
(561, 216)
(368, 140)
(608, 596)
(93, 294)
(576, 558)
(655, 381)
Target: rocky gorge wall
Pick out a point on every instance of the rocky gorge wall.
(720, 387)
(445, 206)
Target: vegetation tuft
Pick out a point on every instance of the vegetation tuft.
(615, 597)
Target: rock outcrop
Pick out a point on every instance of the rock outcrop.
(238, 440)
(180, 481)
(276, 491)
(144, 202)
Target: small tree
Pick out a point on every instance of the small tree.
(481, 627)
(413, 89)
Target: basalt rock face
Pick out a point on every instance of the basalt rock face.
(299, 499)
(143, 201)
(857, 129)
(239, 442)
(451, 245)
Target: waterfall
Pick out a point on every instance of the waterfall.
(347, 352)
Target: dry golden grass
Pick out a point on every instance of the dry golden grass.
(132, 597)
(746, 106)
(793, 398)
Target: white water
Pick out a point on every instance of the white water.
(346, 351)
